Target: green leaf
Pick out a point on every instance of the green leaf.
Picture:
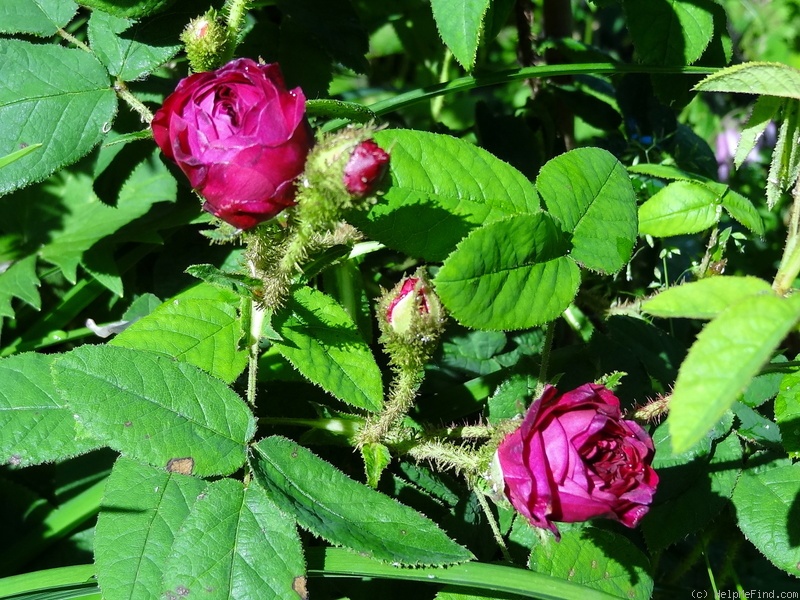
(760, 78)
(37, 17)
(19, 281)
(767, 512)
(589, 192)
(42, 101)
(670, 32)
(142, 509)
(680, 207)
(36, 426)
(89, 220)
(728, 353)
(585, 556)
(343, 511)
(765, 110)
(200, 326)
(156, 410)
(321, 341)
(235, 544)
(376, 458)
(787, 413)
(742, 210)
(495, 278)
(442, 188)
(706, 298)
(785, 165)
(460, 24)
(139, 51)
(129, 8)
(698, 488)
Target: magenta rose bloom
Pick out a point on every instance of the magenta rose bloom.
(239, 136)
(575, 458)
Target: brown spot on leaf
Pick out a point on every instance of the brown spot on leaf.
(15, 460)
(128, 423)
(182, 591)
(299, 586)
(184, 466)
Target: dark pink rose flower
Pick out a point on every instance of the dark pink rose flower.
(367, 165)
(239, 136)
(575, 458)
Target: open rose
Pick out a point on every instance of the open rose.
(574, 458)
(239, 136)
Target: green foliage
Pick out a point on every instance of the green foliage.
(460, 24)
(344, 512)
(42, 103)
(583, 213)
(143, 508)
(154, 409)
(37, 17)
(320, 339)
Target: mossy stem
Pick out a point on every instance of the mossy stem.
(401, 399)
(234, 11)
(137, 105)
(790, 261)
(487, 510)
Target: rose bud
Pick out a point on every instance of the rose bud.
(413, 302)
(367, 165)
(575, 458)
(239, 136)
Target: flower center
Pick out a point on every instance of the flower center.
(224, 105)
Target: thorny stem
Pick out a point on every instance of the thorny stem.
(790, 262)
(73, 40)
(257, 314)
(137, 105)
(234, 11)
(545, 360)
(712, 241)
(401, 399)
(487, 510)
(444, 454)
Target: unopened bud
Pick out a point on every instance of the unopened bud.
(366, 167)
(413, 305)
(206, 40)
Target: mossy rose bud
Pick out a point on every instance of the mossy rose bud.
(412, 302)
(367, 165)
(575, 458)
(240, 137)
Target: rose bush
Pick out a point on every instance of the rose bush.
(239, 136)
(575, 458)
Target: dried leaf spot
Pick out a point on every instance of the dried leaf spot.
(15, 460)
(594, 564)
(184, 466)
(299, 586)
(128, 423)
(182, 591)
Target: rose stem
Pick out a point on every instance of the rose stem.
(257, 314)
(136, 104)
(73, 40)
(790, 261)
(487, 510)
(545, 360)
(234, 11)
(401, 399)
